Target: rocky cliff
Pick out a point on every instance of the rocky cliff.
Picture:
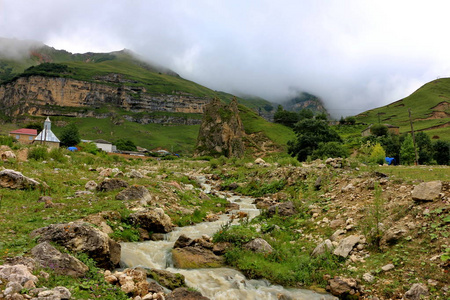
(221, 132)
(39, 95)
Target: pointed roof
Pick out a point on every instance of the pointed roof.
(47, 135)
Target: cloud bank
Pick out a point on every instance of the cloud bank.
(354, 54)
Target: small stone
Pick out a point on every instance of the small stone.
(387, 267)
(368, 277)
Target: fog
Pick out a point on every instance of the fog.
(353, 54)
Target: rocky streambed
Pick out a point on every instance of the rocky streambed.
(215, 283)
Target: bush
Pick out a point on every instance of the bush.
(125, 145)
(89, 147)
(330, 149)
(407, 154)
(379, 130)
(58, 155)
(378, 154)
(442, 152)
(38, 153)
(7, 140)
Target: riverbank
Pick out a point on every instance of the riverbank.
(331, 201)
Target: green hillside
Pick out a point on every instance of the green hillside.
(94, 66)
(133, 71)
(430, 110)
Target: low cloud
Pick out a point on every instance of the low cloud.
(355, 56)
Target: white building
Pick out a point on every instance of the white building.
(46, 136)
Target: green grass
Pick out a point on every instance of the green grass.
(421, 103)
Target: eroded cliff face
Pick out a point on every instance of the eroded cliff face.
(39, 95)
(222, 131)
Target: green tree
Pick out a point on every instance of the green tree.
(379, 130)
(425, 148)
(309, 134)
(330, 149)
(407, 154)
(36, 126)
(305, 114)
(70, 135)
(350, 120)
(322, 116)
(287, 118)
(377, 154)
(442, 152)
(391, 144)
(125, 145)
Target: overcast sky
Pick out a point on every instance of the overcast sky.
(354, 54)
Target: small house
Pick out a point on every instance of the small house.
(24, 135)
(46, 136)
(104, 145)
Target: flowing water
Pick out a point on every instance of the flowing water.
(217, 283)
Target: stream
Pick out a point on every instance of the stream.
(214, 283)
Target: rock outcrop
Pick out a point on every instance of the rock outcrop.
(16, 180)
(221, 131)
(154, 220)
(62, 263)
(38, 95)
(81, 237)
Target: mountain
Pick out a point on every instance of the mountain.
(108, 95)
(429, 106)
(303, 100)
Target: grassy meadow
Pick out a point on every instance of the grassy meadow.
(422, 104)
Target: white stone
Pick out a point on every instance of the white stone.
(387, 267)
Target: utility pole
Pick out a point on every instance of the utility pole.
(413, 136)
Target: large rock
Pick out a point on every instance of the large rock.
(427, 191)
(323, 247)
(17, 273)
(342, 287)
(135, 192)
(195, 258)
(108, 184)
(166, 278)
(222, 131)
(154, 220)
(346, 245)
(259, 245)
(15, 180)
(62, 263)
(185, 294)
(393, 235)
(283, 209)
(183, 241)
(6, 155)
(416, 292)
(81, 237)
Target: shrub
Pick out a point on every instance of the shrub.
(379, 130)
(442, 152)
(58, 155)
(7, 140)
(407, 154)
(89, 147)
(378, 154)
(38, 153)
(330, 149)
(125, 145)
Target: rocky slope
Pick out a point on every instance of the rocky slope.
(40, 96)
